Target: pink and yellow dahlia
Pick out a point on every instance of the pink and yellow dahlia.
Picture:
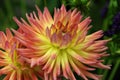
(61, 44)
(12, 64)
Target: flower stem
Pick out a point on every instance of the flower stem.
(23, 7)
(106, 71)
(9, 8)
(45, 3)
(114, 70)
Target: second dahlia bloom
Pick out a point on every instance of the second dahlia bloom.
(12, 64)
(61, 44)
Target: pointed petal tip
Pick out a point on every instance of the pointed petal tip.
(63, 5)
(15, 19)
(13, 30)
(108, 66)
(110, 39)
(32, 65)
(36, 6)
(7, 29)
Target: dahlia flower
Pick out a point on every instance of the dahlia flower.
(61, 44)
(11, 63)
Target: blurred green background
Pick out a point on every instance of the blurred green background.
(102, 12)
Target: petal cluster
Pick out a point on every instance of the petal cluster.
(57, 46)
(12, 64)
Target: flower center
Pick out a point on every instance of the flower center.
(12, 60)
